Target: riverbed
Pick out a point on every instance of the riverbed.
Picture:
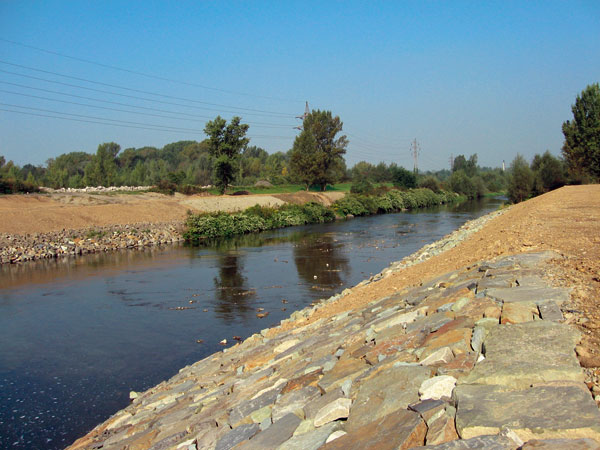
(79, 333)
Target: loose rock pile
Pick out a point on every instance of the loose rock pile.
(478, 358)
(97, 189)
(21, 248)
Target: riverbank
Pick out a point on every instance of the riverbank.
(69, 224)
(323, 372)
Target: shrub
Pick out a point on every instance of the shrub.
(431, 183)
(361, 187)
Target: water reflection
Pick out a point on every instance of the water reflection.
(231, 288)
(320, 261)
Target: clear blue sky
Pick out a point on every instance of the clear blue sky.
(492, 78)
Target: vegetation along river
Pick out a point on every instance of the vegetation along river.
(77, 335)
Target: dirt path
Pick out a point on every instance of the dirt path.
(22, 214)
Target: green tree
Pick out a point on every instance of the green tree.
(102, 170)
(404, 178)
(521, 180)
(317, 154)
(225, 144)
(548, 172)
(581, 148)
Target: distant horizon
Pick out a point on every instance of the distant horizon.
(493, 78)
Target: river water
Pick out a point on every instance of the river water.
(77, 334)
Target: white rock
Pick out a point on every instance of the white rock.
(337, 409)
(437, 387)
(285, 346)
(335, 435)
(443, 355)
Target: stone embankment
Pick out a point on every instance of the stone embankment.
(96, 189)
(16, 248)
(477, 358)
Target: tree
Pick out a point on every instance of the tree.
(404, 178)
(225, 144)
(548, 172)
(521, 180)
(581, 148)
(317, 155)
(102, 170)
(468, 165)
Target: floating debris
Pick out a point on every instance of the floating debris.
(199, 341)
(261, 315)
(223, 342)
(237, 338)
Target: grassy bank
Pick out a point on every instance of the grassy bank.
(257, 218)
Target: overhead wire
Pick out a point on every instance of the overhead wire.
(140, 91)
(135, 72)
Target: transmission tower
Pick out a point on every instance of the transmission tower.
(303, 116)
(415, 149)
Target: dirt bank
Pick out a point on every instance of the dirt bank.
(566, 220)
(23, 214)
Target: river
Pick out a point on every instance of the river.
(78, 334)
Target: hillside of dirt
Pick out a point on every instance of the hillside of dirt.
(26, 214)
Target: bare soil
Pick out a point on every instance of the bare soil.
(26, 214)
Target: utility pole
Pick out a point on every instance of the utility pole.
(303, 116)
(415, 149)
(451, 162)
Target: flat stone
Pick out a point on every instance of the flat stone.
(337, 409)
(441, 430)
(401, 430)
(477, 338)
(560, 444)
(343, 370)
(550, 311)
(490, 442)
(243, 410)
(384, 393)
(293, 402)
(539, 412)
(428, 408)
(275, 435)
(336, 434)
(528, 353)
(526, 294)
(308, 379)
(440, 356)
(398, 319)
(313, 407)
(437, 387)
(285, 346)
(311, 440)
(459, 367)
(459, 340)
(518, 312)
(236, 436)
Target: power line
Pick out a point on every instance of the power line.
(132, 96)
(135, 72)
(50, 91)
(140, 91)
(118, 124)
(257, 125)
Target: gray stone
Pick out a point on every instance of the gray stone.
(495, 442)
(550, 311)
(477, 338)
(244, 409)
(526, 294)
(311, 409)
(385, 393)
(337, 409)
(523, 354)
(539, 412)
(437, 387)
(311, 440)
(275, 435)
(237, 435)
(560, 444)
(293, 402)
(440, 356)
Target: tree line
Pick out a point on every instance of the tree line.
(316, 159)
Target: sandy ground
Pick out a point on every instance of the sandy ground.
(566, 221)
(22, 214)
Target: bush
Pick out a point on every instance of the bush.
(521, 180)
(361, 187)
(431, 183)
(12, 186)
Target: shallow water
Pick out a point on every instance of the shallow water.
(76, 335)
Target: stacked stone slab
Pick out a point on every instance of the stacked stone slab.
(478, 358)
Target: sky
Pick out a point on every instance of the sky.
(459, 77)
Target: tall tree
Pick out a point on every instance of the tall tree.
(225, 144)
(102, 170)
(581, 148)
(521, 180)
(317, 154)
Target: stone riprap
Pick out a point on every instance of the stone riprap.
(448, 365)
(21, 248)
